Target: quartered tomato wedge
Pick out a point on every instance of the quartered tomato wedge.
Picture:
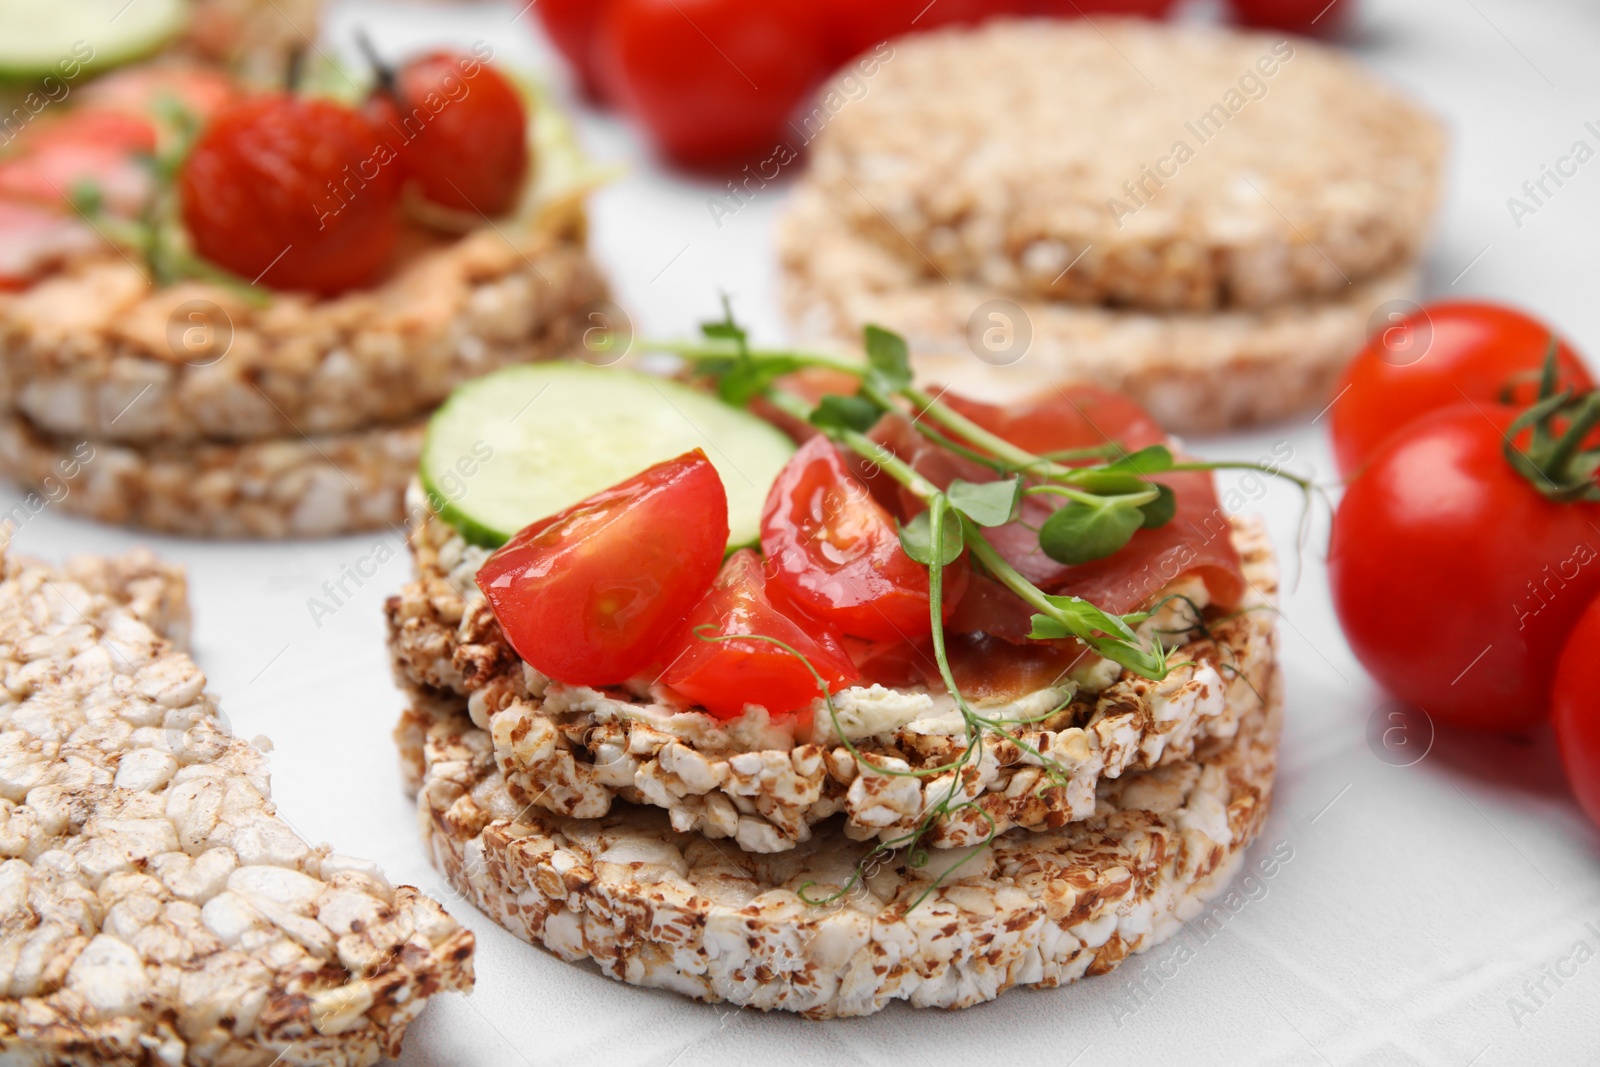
(836, 551)
(587, 596)
(725, 675)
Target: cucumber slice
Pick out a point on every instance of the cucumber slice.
(42, 37)
(527, 441)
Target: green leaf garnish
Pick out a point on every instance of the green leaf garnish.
(987, 503)
(916, 537)
(889, 359)
(1162, 510)
(1082, 533)
(1156, 459)
(834, 412)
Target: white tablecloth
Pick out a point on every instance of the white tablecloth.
(1427, 914)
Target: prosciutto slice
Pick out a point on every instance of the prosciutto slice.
(1196, 542)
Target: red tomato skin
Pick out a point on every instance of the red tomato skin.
(836, 551)
(292, 192)
(651, 544)
(1576, 710)
(1309, 17)
(855, 26)
(1455, 580)
(724, 676)
(463, 133)
(713, 81)
(1474, 350)
(573, 26)
(1150, 9)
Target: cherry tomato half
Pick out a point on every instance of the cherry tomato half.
(587, 596)
(1443, 355)
(724, 676)
(712, 80)
(1456, 580)
(837, 553)
(1577, 709)
(295, 193)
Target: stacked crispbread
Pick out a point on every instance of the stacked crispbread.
(206, 410)
(1204, 220)
(156, 907)
(188, 409)
(730, 860)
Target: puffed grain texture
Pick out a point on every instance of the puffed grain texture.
(577, 751)
(157, 910)
(1169, 167)
(1196, 373)
(659, 908)
(98, 352)
(274, 489)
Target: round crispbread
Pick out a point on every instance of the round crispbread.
(282, 488)
(1196, 373)
(577, 751)
(98, 352)
(1128, 163)
(656, 907)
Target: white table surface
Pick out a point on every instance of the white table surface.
(1419, 900)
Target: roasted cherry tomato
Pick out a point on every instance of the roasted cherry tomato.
(1455, 579)
(724, 676)
(712, 80)
(837, 553)
(573, 27)
(589, 595)
(1309, 17)
(1443, 355)
(462, 132)
(294, 193)
(1577, 709)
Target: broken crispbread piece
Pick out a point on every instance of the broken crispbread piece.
(155, 906)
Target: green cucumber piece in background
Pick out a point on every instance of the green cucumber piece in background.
(56, 37)
(528, 441)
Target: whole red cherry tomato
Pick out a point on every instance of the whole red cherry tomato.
(1310, 17)
(1577, 709)
(712, 80)
(1456, 580)
(573, 27)
(853, 26)
(293, 193)
(461, 131)
(589, 595)
(1443, 355)
(837, 553)
(724, 676)
(1150, 9)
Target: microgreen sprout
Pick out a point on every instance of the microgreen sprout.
(1109, 493)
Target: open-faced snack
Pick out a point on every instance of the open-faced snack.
(158, 909)
(968, 633)
(209, 280)
(1204, 219)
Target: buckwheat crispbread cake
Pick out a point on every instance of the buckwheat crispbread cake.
(269, 489)
(98, 352)
(767, 785)
(1195, 373)
(653, 906)
(156, 908)
(1169, 167)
